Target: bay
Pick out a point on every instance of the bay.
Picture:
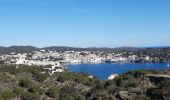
(104, 70)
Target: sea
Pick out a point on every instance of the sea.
(104, 70)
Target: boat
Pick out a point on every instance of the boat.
(168, 65)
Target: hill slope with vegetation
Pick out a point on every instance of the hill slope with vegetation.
(29, 83)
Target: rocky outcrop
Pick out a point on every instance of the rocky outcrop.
(123, 95)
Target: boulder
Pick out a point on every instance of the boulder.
(123, 95)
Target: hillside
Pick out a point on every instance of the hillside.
(17, 49)
(28, 49)
(28, 83)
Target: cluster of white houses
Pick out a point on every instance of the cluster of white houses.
(54, 61)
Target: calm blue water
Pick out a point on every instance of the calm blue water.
(104, 70)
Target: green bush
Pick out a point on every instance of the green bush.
(110, 83)
(142, 73)
(80, 97)
(30, 96)
(68, 91)
(99, 84)
(25, 83)
(36, 90)
(8, 95)
(10, 69)
(126, 83)
(165, 84)
(1, 98)
(53, 91)
(63, 78)
(69, 97)
(101, 96)
(156, 93)
(131, 83)
(39, 76)
(18, 91)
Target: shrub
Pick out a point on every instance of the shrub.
(110, 83)
(53, 91)
(30, 96)
(63, 78)
(8, 95)
(130, 83)
(99, 84)
(25, 83)
(155, 93)
(127, 83)
(39, 76)
(2, 62)
(36, 90)
(70, 97)
(165, 84)
(10, 69)
(101, 96)
(80, 97)
(1, 98)
(142, 73)
(67, 91)
(110, 86)
(18, 91)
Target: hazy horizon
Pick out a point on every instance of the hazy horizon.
(85, 23)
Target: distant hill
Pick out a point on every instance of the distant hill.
(128, 48)
(60, 48)
(2, 49)
(17, 49)
(27, 49)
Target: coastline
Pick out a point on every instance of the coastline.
(104, 70)
(115, 63)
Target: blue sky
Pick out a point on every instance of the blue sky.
(85, 23)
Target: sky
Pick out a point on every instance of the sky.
(85, 23)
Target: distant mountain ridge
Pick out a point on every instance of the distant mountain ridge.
(61, 48)
(17, 49)
(28, 49)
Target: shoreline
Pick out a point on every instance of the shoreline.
(113, 68)
(114, 63)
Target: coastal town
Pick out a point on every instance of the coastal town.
(43, 57)
(54, 61)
